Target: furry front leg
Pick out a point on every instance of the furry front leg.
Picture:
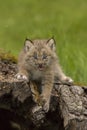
(46, 95)
(61, 76)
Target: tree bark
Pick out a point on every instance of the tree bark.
(19, 109)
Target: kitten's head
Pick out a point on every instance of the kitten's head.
(40, 53)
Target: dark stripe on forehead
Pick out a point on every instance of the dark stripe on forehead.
(39, 44)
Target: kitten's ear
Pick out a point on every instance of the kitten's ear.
(28, 44)
(51, 43)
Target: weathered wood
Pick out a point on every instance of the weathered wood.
(68, 107)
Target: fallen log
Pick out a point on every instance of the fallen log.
(18, 108)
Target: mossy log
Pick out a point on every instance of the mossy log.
(68, 106)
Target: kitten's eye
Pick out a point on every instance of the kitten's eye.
(44, 56)
(35, 56)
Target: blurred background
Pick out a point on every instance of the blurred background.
(66, 20)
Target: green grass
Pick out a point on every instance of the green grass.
(66, 20)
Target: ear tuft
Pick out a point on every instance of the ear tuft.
(28, 44)
(51, 43)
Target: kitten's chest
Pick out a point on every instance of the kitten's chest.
(37, 75)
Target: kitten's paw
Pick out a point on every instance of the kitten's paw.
(36, 108)
(67, 80)
(45, 104)
(21, 77)
(46, 107)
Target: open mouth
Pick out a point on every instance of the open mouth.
(40, 67)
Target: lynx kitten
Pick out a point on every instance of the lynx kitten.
(38, 62)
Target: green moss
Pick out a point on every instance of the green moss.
(7, 56)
